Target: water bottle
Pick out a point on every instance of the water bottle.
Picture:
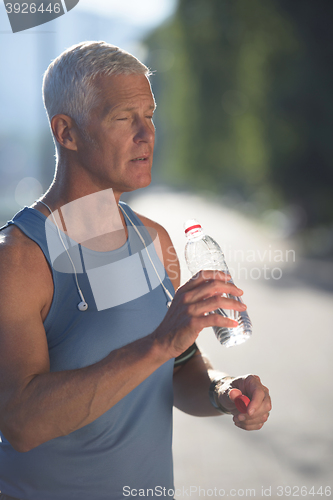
(202, 252)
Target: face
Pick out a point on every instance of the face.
(119, 153)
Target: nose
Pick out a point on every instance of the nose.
(145, 131)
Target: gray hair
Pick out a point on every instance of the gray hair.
(68, 84)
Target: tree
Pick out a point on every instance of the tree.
(245, 102)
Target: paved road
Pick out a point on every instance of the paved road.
(291, 350)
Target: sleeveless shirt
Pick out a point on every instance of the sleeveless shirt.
(129, 446)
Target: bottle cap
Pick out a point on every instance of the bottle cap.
(192, 225)
(241, 403)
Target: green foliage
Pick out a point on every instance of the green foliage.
(244, 100)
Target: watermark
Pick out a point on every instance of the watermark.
(187, 492)
(269, 254)
(87, 236)
(256, 272)
(215, 492)
(24, 15)
(254, 264)
(239, 272)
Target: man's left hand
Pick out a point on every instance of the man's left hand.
(260, 402)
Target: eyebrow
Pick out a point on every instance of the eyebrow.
(110, 109)
(152, 106)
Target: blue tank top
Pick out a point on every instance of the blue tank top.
(129, 446)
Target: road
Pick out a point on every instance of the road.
(290, 305)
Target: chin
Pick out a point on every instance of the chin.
(139, 184)
(143, 182)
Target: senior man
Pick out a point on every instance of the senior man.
(93, 357)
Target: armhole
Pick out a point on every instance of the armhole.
(53, 274)
(149, 242)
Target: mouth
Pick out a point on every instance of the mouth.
(140, 160)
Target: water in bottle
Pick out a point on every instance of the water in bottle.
(203, 253)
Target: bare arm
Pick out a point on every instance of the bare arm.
(191, 385)
(37, 405)
(30, 396)
(192, 380)
(191, 388)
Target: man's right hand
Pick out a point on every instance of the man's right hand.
(190, 308)
(37, 404)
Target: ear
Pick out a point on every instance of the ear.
(64, 130)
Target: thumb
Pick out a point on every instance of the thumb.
(234, 393)
(227, 399)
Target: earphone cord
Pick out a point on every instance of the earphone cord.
(152, 263)
(168, 294)
(63, 244)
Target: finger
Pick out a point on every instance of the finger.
(213, 303)
(258, 419)
(207, 275)
(255, 427)
(208, 289)
(211, 288)
(212, 274)
(257, 393)
(245, 422)
(212, 320)
(227, 398)
(232, 395)
(260, 402)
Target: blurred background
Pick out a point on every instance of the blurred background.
(244, 144)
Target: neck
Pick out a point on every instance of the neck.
(69, 185)
(84, 210)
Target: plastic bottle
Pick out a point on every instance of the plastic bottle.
(202, 252)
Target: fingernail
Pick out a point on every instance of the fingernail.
(251, 411)
(241, 418)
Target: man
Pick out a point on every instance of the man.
(86, 389)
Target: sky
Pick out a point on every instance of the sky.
(123, 23)
(146, 13)
(24, 56)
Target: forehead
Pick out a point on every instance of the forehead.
(120, 90)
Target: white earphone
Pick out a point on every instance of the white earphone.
(83, 306)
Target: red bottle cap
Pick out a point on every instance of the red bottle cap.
(241, 403)
(196, 226)
(192, 225)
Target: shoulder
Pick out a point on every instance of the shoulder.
(164, 248)
(160, 230)
(23, 267)
(15, 246)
